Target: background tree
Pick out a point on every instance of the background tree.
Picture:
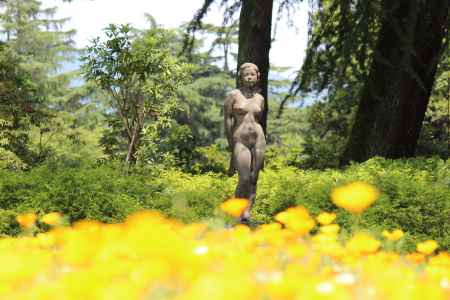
(139, 75)
(396, 94)
(45, 48)
(344, 38)
(225, 38)
(20, 104)
(435, 133)
(255, 35)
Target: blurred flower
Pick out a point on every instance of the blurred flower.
(442, 259)
(326, 218)
(427, 247)
(345, 278)
(235, 207)
(26, 220)
(93, 260)
(395, 235)
(296, 219)
(355, 197)
(415, 257)
(53, 218)
(330, 229)
(201, 250)
(325, 288)
(363, 243)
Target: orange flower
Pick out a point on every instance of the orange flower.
(26, 220)
(296, 219)
(427, 247)
(235, 207)
(53, 218)
(394, 235)
(415, 257)
(326, 218)
(355, 197)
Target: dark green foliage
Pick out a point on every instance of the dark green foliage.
(344, 39)
(20, 103)
(212, 158)
(8, 225)
(435, 134)
(169, 147)
(395, 97)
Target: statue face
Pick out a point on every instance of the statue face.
(249, 77)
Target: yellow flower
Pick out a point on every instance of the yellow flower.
(395, 235)
(26, 220)
(296, 219)
(363, 243)
(326, 218)
(235, 207)
(427, 247)
(330, 229)
(355, 197)
(53, 218)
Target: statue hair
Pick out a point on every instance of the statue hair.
(246, 66)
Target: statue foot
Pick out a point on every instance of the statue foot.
(245, 221)
(245, 218)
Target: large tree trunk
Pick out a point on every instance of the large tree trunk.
(396, 94)
(255, 23)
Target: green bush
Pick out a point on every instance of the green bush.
(211, 158)
(194, 197)
(107, 193)
(79, 191)
(415, 194)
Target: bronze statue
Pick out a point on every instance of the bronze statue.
(243, 110)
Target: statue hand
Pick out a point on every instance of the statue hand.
(231, 168)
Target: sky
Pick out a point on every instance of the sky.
(89, 17)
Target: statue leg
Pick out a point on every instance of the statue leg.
(242, 162)
(257, 163)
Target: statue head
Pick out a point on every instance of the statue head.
(248, 74)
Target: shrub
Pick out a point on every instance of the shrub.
(81, 191)
(415, 194)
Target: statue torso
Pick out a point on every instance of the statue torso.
(247, 111)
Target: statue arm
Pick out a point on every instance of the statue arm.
(262, 110)
(228, 118)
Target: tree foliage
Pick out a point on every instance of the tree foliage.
(140, 76)
(343, 45)
(40, 47)
(20, 103)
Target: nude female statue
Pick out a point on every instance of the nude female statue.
(243, 110)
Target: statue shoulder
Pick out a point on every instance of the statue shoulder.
(232, 93)
(261, 99)
(230, 96)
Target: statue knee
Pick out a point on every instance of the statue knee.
(245, 179)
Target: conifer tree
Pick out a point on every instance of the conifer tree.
(37, 39)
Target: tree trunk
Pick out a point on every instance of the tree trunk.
(255, 23)
(133, 146)
(395, 96)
